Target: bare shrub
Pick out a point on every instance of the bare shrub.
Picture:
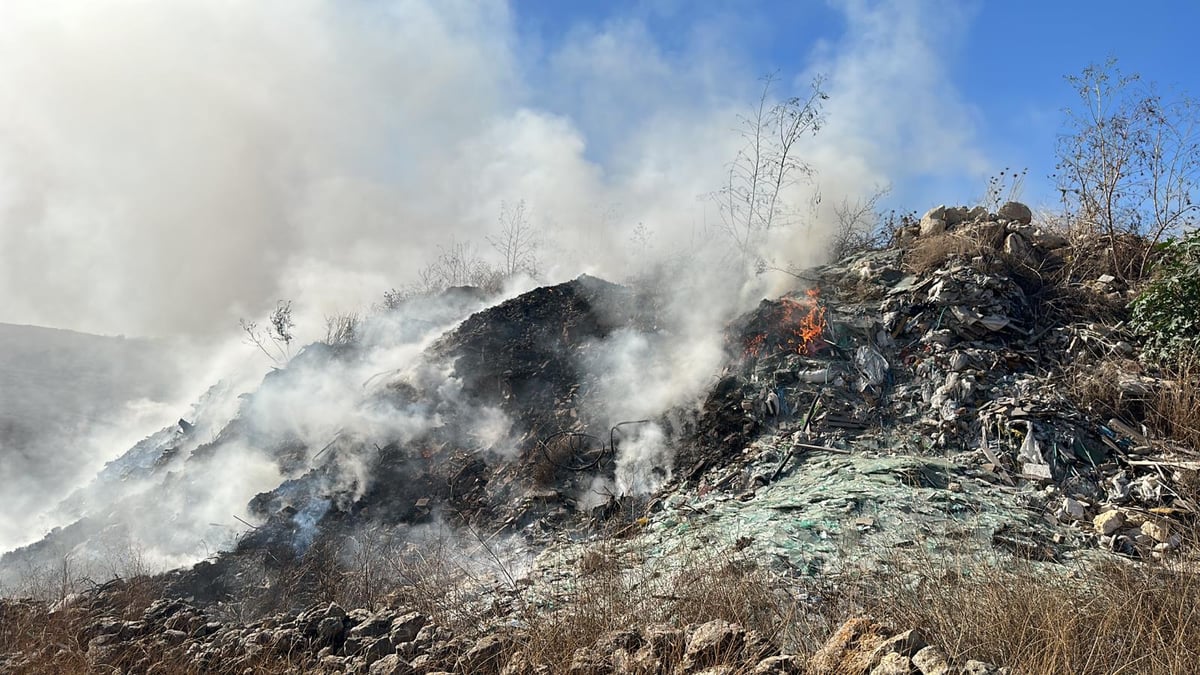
(750, 202)
(1002, 187)
(620, 587)
(342, 330)
(1129, 162)
(458, 265)
(517, 242)
(275, 339)
(860, 225)
(1098, 385)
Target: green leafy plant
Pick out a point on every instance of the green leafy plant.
(1166, 314)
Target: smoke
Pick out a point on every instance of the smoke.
(169, 167)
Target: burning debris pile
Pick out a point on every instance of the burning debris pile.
(911, 398)
(967, 360)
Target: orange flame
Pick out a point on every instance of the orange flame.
(801, 322)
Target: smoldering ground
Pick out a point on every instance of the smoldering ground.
(171, 167)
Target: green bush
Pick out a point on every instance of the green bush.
(1166, 314)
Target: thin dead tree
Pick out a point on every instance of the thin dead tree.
(517, 242)
(752, 201)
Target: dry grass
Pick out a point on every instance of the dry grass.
(618, 587)
(1175, 408)
(1096, 386)
(1118, 617)
(933, 252)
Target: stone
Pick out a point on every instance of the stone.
(715, 642)
(930, 661)
(849, 649)
(932, 226)
(955, 215)
(906, 644)
(374, 625)
(1074, 509)
(893, 664)
(1108, 522)
(376, 649)
(1158, 531)
(1050, 241)
(484, 656)
(1016, 246)
(589, 661)
(331, 629)
(406, 628)
(974, 667)
(391, 665)
(1015, 211)
(334, 610)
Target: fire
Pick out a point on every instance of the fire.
(800, 324)
(755, 344)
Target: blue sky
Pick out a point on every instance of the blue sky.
(1006, 61)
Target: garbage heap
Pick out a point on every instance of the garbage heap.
(954, 343)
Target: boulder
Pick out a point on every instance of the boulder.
(715, 642)
(484, 656)
(930, 661)
(1015, 211)
(391, 665)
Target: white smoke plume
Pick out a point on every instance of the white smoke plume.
(169, 167)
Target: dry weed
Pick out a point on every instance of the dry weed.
(933, 252)
(1117, 616)
(1175, 409)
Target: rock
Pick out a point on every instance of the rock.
(484, 656)
(1015, 211)
(1158, 531)
(334, 610)
(406, 628)
(331, 629)
(930, 661)
(374, 625)
(629, 640)
(779, 665)
(1074, 509)
(974, 667)
(1108, 522)
(955, 215)
(332, 664)
(1016, 246)
(589, 661)
(715, 642)
(391, 665)
(376, 649)
(893, 664)
(906, 644)
(1050, 241)
(932, 226)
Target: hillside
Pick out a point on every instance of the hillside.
(933, 457)
(58, 388)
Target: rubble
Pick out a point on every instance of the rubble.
(903, 404)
